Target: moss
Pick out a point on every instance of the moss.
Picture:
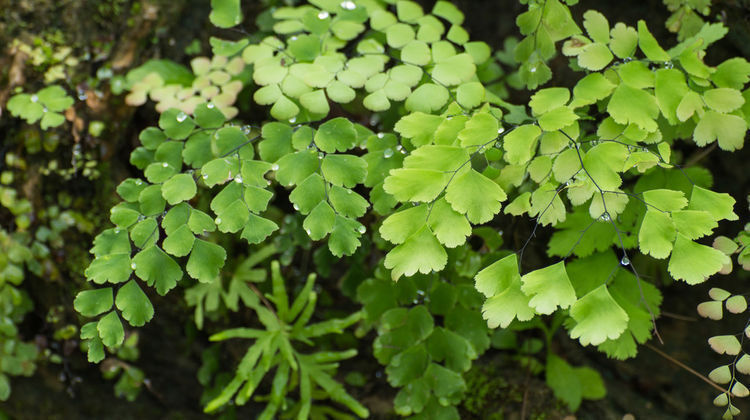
(496, 389)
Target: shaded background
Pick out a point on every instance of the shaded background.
(121, 34)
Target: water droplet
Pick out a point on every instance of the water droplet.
(181, 116)
(238, 179)
(668, 64)
(292, 120)
(165, 165)
(399, 147)
(296, 207)
(274, 167)
(132, 265)
(420, 292)
(218, 220)
(308, 231)
(605, 217)
(82, 95)
(323, 14)
(210, 105)
(532, 70)
(381, 135)
(205, 176)
(415, 301)
(138, 182)
(625, 261)
(321, 155)
(34, 98)
(348, 5)
(362, 229)
(348, 191)
(117, 230)
(387, 153)
(500, 130)
(246, 129)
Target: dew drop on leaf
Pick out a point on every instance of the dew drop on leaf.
(218, 220)
(323, 14)
(625, 261)
(132, 265)
(387, 153)
(362, 229)
(605, 217)
(210, 105)
(292, 120)
(320, 155)
(348, 5)
(34, 98)
(181, 116)
(381, 135)
(274, 167)
(165, 164)
(205, 176)
(308, 231)
(296, 207)
(238, 179)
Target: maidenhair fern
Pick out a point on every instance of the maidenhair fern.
(441, 156)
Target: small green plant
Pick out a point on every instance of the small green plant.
(728, 344)
(16, 356)
(46, 105)
(277, 346)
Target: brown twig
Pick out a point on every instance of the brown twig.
(678, 316)
(265, 301)
(698, 157)
(686, 367)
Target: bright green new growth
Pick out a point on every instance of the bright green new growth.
(594, 163)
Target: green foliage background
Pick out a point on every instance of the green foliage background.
(376, 145)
